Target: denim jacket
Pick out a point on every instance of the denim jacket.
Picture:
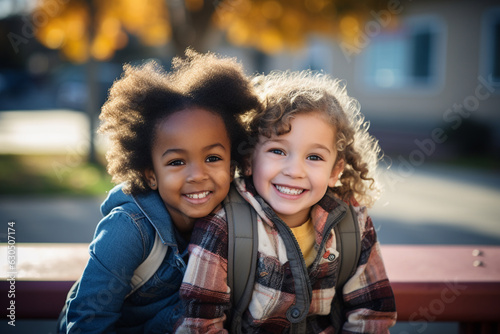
(122, 241)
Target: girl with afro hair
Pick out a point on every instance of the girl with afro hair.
(174, 149)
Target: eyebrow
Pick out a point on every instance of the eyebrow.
(181, 150)
(323, 147)
(315, 145)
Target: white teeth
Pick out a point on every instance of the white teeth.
(289, 191)
(198, 195)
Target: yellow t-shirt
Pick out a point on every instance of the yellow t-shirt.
(305, 236)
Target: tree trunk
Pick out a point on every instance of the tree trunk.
(92, 88)
(189, 28)
(92, 106)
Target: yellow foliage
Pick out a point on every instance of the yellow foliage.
(272, 25)
(155, 34)
(146, 19)
(53, 36)
(69, 24)
(315, 6)
(76, 51)
(268, 25)
(349, 26)
(271, 9)
(239, 33)
(270, 41)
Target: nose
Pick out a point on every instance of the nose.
(196, 173)
(295, 168)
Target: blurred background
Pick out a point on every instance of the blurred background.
(426, 74)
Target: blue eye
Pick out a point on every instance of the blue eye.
(314, 158)
(213, 158)
(277, 151)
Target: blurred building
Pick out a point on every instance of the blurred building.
(427, 74)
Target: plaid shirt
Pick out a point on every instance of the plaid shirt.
(287, 296)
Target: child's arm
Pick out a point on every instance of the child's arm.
(204, 290)
(368, 297)
(115, 252)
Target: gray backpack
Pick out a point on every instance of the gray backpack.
(242, 253)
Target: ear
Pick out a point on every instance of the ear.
(337, 169)
(248, 170)
(247, 166)
(232, 171)
(151, 178)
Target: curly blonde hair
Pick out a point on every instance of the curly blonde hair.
(145, 95)
(286, 94)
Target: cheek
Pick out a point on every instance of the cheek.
(258, 170)
(222, 174)
(171, 181)
(322, 179)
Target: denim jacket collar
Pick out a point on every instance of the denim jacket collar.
(153, 208)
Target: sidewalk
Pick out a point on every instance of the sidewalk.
(434, 206)
(431, 205)
(50, 219)
(440, 205)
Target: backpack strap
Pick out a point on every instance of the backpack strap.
(147, 269)
(349, 246)
(142, 274)
(347, 232)
(242, 253)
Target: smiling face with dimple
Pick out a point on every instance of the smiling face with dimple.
(191, 164)
(292, 171)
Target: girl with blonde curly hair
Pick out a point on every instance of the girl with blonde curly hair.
(310, 161)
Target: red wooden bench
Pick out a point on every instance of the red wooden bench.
(431, 283)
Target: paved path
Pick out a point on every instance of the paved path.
(440, 205)
(51, 219)
(432, 206)
(427, 204)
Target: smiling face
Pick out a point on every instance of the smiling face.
(191, 164)
(293, 171)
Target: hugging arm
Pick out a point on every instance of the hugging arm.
(368, 297)
(204, 290)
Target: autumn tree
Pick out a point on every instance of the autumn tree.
(84, 29)
(92, 30)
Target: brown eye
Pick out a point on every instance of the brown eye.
(176, 163)
(213, 158)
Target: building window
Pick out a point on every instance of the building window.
(490, 46)
(421, 55)
(411, 57)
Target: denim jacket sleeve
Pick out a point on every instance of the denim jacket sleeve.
(119, 246)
